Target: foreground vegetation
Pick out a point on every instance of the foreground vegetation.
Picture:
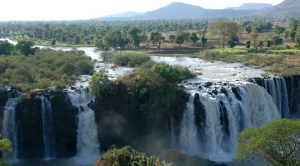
(5, 147)
(276, 142)
(128, 157)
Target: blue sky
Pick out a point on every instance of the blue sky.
(86, 9)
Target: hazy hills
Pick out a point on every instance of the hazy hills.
(286, 8)
(126, 14)
(178, 10)
(252, 6)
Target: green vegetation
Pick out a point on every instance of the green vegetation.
(45, 68)
(5, 146)
(179, 159)
(128, 157)
(130, 60)
(223, 29)
(276, 142)
(278, 64)
(100, 84)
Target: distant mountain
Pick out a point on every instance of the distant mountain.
(175, 10)
(178, 10)
(225, 13)
(125, 14)
(285, 8)
(252, 6)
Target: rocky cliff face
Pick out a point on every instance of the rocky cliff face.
(30, 125)
(293, 91)
(117, 123)
(3, 100)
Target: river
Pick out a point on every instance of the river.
(206, 72)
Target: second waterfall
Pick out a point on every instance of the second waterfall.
(87, 136)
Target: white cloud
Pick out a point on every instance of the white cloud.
(85, 9)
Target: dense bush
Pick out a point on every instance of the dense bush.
(128, 157)
(44, 69)
(130, 60)
(179, 159)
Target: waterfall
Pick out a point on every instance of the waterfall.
(48, 134)
(10, 128)
(87, 136)
(298, 103)
(172, 135)
(229, 108)
(292, 92)
(276, 87)
(187, 138)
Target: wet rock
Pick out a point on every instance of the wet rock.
(30, 125)
(208, 84)
(213, 163)
(215, 92)
(223, 90)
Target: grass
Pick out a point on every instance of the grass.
(276, 64)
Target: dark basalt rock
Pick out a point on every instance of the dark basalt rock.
(236, 92)
(30, 125)
(208, 84)
(3, 100)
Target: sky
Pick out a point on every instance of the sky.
(11, 10)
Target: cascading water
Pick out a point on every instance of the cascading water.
(87, 135)
(298, 103)
(172, 135)
(292, 95)
(188, 131)
(10, 128)
(48, 134)
(276, 87)
(226, 109)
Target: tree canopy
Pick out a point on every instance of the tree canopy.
(25, 47)
(100, 84)
(223, 29)
(277, 142)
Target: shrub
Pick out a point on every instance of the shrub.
(128, 157)
(130, 60)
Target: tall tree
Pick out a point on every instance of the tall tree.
(286, 35)
(279, 30)
(77, 40)
(25, 47)
(277, 40)
(248, 29)
(6, 48)
(179, 39)
(223, 29)
(155, 37)
(172, 38)
(254, 36)
(276, 142)
(194, 38)
(134, 37)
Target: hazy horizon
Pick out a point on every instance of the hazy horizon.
(34, 10)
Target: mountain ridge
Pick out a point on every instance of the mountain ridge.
(252, 6)
(179, 10)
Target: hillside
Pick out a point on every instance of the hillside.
(175, 10)
(178, 10)
(125, 14)
(252, 6)
(286, 8)
(225, 13)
